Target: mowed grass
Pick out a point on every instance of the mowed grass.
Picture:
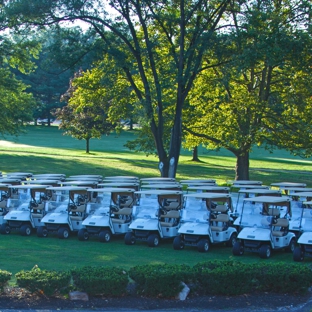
(45, 149)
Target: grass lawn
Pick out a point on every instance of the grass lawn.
(45, 149)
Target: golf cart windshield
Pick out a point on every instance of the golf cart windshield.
(256, 220)
(148, 206)
(193, 215)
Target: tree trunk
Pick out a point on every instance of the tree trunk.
(242, 167)
(87, 145)
(195, 154)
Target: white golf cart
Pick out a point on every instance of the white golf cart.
(156, 217)
(66, 213)
(265, 226)
(305, 239)
(5, 194)
(249, 193)
(26, 212)
(110, 214)
(205, 221)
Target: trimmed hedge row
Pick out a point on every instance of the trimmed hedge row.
(164, 280)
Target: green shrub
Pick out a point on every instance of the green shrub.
(161, 280)
(5, 276)
(283, 277)
(101, 280)
(223, 277)
(43, 281)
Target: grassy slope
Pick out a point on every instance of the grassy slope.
(44, 149)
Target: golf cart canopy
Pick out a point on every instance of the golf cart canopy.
(246, 182)
(288, 184)
(208, 188)
(260, 191)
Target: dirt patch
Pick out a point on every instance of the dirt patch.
(18, 298)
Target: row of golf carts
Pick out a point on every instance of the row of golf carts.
(260, 223)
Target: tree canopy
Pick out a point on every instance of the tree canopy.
(256, 89)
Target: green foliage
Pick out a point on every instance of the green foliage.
(5, 276)
(107, 281)
(282, 277)
(43, 281)
(235, 278)
(224, 277)
(161, 280)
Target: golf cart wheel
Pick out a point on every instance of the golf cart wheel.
(231, 242)
(105, 236)
(238, 249)
(42, 231)
(5, 229)
(63, 233)
(203, 245)
(298, 254)
(292, 245)
(178, 243)
(25, 230)
(153, 240)
(83, 235)
(129, 239)
(265, 252)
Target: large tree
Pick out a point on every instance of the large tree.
(16, 104)
(150, 40)
(257, 86)
(85, 115)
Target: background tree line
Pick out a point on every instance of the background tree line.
(231, 74)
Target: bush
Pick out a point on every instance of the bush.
(101, 280)
(224, 277)
(5, 276)
(282, 277)
(160, 280)
(43, 281)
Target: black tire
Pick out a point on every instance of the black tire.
(231, 242)
(178, 243)
(153, 240)
(129, 239)
(298, 254)
(83, 235)
(5, 229)
(292, 245)
(203, 245)
(63, 233)
(265, 251)
(238, 249)
(42, 231)
(25, 230)
(105, 236)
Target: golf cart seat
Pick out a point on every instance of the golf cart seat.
(220, 209)
(281, 227)
(122, 215)
(76, 213)
(170, 218)
(38, 211)
(220, 223)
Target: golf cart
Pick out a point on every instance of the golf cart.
(249, 193)
(66, 213)
(265, 226)
(305, 239)
(26, 212)
(111, 214)
(205, 221)
(156, 217)
(5, 194)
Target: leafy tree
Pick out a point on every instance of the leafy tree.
(63, 51)
(159, 46)
(258, 89)
(16, 104)
(85, 116)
